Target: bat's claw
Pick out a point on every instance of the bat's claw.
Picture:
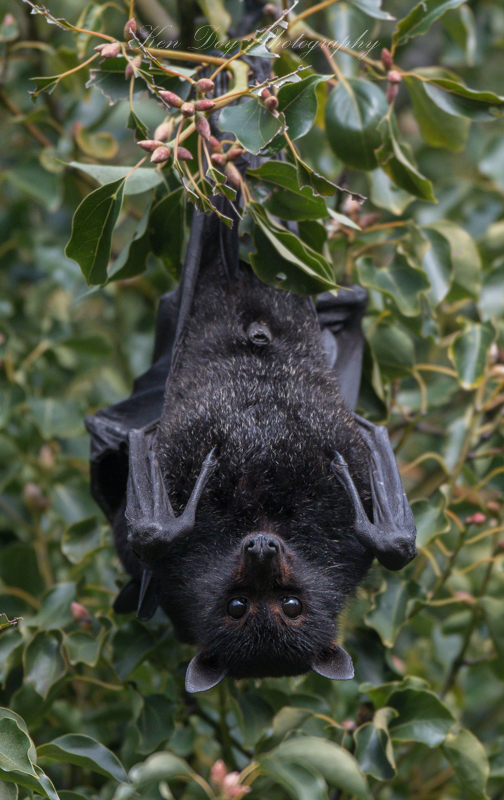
(391, 535)
(152, 523)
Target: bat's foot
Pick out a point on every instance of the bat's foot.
(391, 535)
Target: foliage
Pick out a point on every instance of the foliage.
(93, 704)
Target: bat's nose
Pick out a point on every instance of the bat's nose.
(261, 547)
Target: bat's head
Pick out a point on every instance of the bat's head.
(270, 613)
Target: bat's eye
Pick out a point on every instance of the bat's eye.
(259, 334)
(237, 607)
(291, 607)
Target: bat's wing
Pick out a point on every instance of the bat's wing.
(340, 317)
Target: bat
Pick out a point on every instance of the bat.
(247, 499)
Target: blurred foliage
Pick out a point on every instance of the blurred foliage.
(93, 704)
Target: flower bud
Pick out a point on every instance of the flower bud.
(131, 66)
(392, 92)
(160, 155)
(475, 519)
(99, 47)
(187, 110)
(111, 50)
(215, 145)
(232, 175)
(217, 773)
(218, 160)
(130, 29)
(271, 104)
(171, 99)
(149, 145)
(234, 152)
(203, 127)
(81, 616)
(265, 93)
(271, 10)
(162, 132)
(386, 58)
(34, 499)
(204, 85)
(204, 105)
(394, 76)
(183, 154)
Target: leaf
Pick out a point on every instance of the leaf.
(420, 18)
(492, 292)
(318, 184)
(92, 226)
(335, 764)
(385, 194)
(35, 181)
(292, 203)
(252, 124)
(393, 160)
(155, 722)
(374, 750)
(44, 84)
(109, 78)
(392, 606)
(8, 791)
(353, 112)
(465, 260)
(217, 15)
(493, 611)
(399, 280)
(469, 352)
(343, 220)
(55, 611)
(166, 230)
(97, 145)
(467, 756)
(455, 98)
(372, 8)
(393, 349)
(492, 163)
(44, 664)
(141, 180)
(159, 767)
(131, 644)
(302, 782)
(298, 102)
(61, 418)
(9, 642)
(82, 648)
(14, 747)
(135, 124)
(437, 127)
(83, 751)
(132, 260)
(430, 518)
(437, 265)
(81, 539)
(460, 25)
(422, 717)
(255, 716)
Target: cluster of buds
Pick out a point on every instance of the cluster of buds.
(394, 78)
(161, 152)
(270, 102)
(197, 109)
(109, 50)
(227, 784)
(475, 519)
(225, 160)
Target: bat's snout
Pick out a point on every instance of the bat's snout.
(261, 547)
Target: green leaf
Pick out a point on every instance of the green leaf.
(32, 179)
(420, 18)
(302, 782)
(469, 352)
(385, 194)
(82, 648)
(217, 15)
(43, 661)
(352, 116)
(254, 715)
(374, 750)
(166, 230)
(438, 128)
(299, 104)
(422, 717)
(492, 163)
(467, 756)
(392, 606)
(14, 747)
(83, 751)
(318, 184)
(81, 539)
(252, 124)
(372, 8)
(92, 226)
(282, 260)
(110, 80)
(8, 791)
(399, 280)
(141, 180)
(159, 767)
(135, 124)
(61, 418)
(44, 84)
(292, 203)
(155, 722)
(493, 611)
(453, 97)
(132, 260)
(492, 292)
(97, 145)
(335, 764)
(398, 166)
(131, 644)
(9, 642)
(437, 264)
(55, 611)
(465, 259)
(430, 518)
(393, 349)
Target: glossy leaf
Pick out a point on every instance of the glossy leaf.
(44, 662)
(83, 751)
(398, 165)
(421, 717)
(287, 200)
(353, 112)
(372, 8)
(393, 349)
(469, 353)
(430, 518)
(132, 260)
(492, 294)
(62, 418)
(96, 145)
(392, 606)
(82, 648)
(159, 767)
(141, 180)
(438, 128)
(131, 644)
(492, 163)
(374, 750)
(455, 98)
(301, 781)
(253, 125)
(437, 264)
(493, 611)
(14, 747)
(93, 223)
(155, 722)
(135, 124)
(81, 539)
(420, 18)
(166, 230)
(467, 756)
(399, 280)
(299, 103)
(465, 260)
(385, 194)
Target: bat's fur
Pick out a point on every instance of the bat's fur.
(274, 414)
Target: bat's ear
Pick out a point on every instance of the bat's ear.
(336, 665)
(202, 674)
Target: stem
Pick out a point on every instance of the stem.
(30, 127)
(312, 10)
(15, 591)
(114, 687)
(181, 55)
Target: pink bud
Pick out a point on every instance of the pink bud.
(392, 92)
(203, 127)
(271, 104)
(34, 498)
(394, 76)
(233, 176)
(183, 154)
(130, 29)
(476, 519)
(187, 110)
(265, 93)
(215, 145)
(162, 132)
(217, 773)
(171, 99)
(81, 616)
(111, 50)
(234, 152)
(99, 47)
(218, 160)
(236, 792)
(386, 58)
(204, 85)
(204, 105)
(160, 155)
(149, 145)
